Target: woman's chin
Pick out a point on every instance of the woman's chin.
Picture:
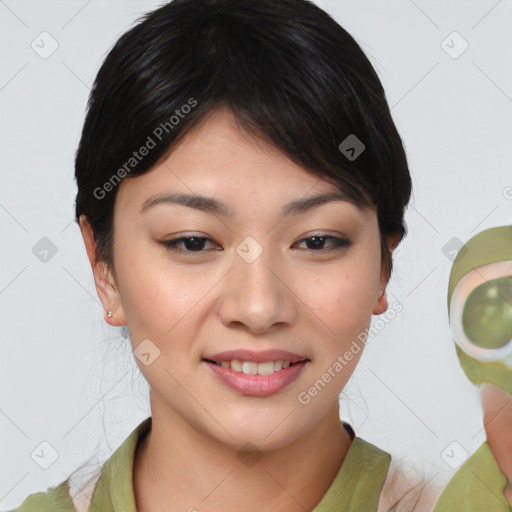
(260, 436)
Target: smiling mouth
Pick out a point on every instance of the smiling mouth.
(253, 368)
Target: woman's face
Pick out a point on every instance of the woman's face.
(260, 282)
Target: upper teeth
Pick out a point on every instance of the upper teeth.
(252, 368)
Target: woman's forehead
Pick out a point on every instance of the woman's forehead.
(220, 159)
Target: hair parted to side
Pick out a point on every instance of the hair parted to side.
(290, 74)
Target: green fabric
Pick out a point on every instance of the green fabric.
(55, 499)
(359, 482)
(477, 486)
(356, 488)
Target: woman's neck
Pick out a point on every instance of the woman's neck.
(178, 469)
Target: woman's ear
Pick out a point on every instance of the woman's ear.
(381, 304)
(393, 240)
(103, 278)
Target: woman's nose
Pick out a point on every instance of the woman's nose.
(258, 292)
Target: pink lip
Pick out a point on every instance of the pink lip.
(256, 357)
(257, 385)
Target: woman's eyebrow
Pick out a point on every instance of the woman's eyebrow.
(214, 206)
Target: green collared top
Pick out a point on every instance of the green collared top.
(356, 488)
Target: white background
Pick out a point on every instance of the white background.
(69, 379)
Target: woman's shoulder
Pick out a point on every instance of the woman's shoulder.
(54, 499)
(476, 486)
(70, 495)
(76, 492)
(407, 489)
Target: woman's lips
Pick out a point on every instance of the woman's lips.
(257, 385)
(259, 356)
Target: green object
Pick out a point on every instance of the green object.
(489, 246)
(477, 486)
(487, 314)
(356, 488)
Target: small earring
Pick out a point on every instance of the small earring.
(109, 313)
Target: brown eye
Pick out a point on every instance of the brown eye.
(192, 244)
(196, 244)
(316, 243)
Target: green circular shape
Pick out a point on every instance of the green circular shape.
(487, 313)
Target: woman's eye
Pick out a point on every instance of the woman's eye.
(191, 244)
(316, 243)
(196, 244)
